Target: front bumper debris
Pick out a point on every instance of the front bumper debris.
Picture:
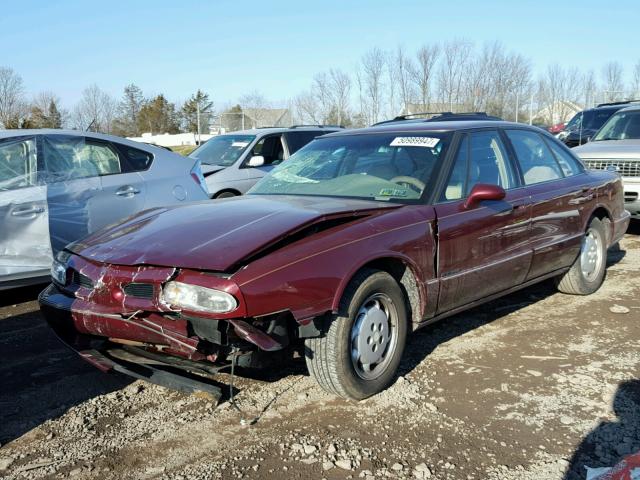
(165, 370)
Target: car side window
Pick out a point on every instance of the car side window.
(298, 139)
(138, 160)
(536, 160)
(270, 147)
(457, 184)
(70, 157)
(481, 158)
(18, 164)
(568, 164)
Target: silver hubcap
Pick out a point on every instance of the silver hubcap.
(374, 336)
(591, 254)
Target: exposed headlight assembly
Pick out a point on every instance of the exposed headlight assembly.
(198, 299)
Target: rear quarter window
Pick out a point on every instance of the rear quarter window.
(568, 164)
(297, 140)
(138, 160)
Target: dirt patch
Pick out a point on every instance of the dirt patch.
(532, 386)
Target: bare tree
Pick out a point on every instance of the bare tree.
(340, 94)
(95, 111)
(455, 57)
(612, 82)
(635, 81)
(370, 77)
(589, 89)
(558, 93)
(422, 72)
(255, 104)
(404, 68)
(327, 102)
(307, 108)
(13, 107)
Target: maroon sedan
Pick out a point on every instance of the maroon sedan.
(358, 239)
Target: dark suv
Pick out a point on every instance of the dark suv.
(585, 124)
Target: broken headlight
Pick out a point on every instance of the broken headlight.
(199, 299)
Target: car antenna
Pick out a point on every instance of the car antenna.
(90, 125)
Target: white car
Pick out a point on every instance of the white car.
(616, 146)
(57, 186)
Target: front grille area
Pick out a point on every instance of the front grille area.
(81, 280)
(139, 290)
(630, 196)
(625, 167)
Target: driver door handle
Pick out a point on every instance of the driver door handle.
(27, 212)
(127, 191)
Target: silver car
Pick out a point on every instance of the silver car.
(57, 186)
(616, 146)
(232, 163)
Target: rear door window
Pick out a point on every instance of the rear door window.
(70, 157)
(536, 160)
(18, 163)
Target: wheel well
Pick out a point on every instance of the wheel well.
(229, 190)
(603, 215)
(407, 281)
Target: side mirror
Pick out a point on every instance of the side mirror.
(256, 161)
(483, 191)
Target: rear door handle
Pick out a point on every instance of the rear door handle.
(127, 191)
(27, 212)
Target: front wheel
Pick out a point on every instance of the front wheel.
(360, 353)
(587, 272)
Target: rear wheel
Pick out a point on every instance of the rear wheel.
(226, 195)
(360, 353)
(587, 272)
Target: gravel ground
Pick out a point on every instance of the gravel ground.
(532, 386)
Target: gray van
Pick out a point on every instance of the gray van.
(232, 163)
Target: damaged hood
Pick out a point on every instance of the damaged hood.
(214, 235)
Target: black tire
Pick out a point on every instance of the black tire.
(575, 281)
(329, 358)
(226, 194)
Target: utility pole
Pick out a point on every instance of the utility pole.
(198, 119)
(531, 110)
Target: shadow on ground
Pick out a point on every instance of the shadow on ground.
(610, 442)
(40, 378)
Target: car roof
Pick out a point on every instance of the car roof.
(77, 133)
(448, 126)
(632, 108)
(267, 130)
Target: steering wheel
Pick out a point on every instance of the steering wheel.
(413, 182)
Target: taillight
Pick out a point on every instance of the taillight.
(196, 174)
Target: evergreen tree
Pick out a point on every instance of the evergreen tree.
(190, 112)
(158, 116)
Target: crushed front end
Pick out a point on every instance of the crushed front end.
(172, 327)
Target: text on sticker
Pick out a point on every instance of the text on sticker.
(428, 142)
(239, 144)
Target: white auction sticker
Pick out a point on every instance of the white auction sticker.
(428, 142)
(239, 144)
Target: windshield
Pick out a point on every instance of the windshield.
(390, 167)
(589, 120)
(222, 150)
(621, 126)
